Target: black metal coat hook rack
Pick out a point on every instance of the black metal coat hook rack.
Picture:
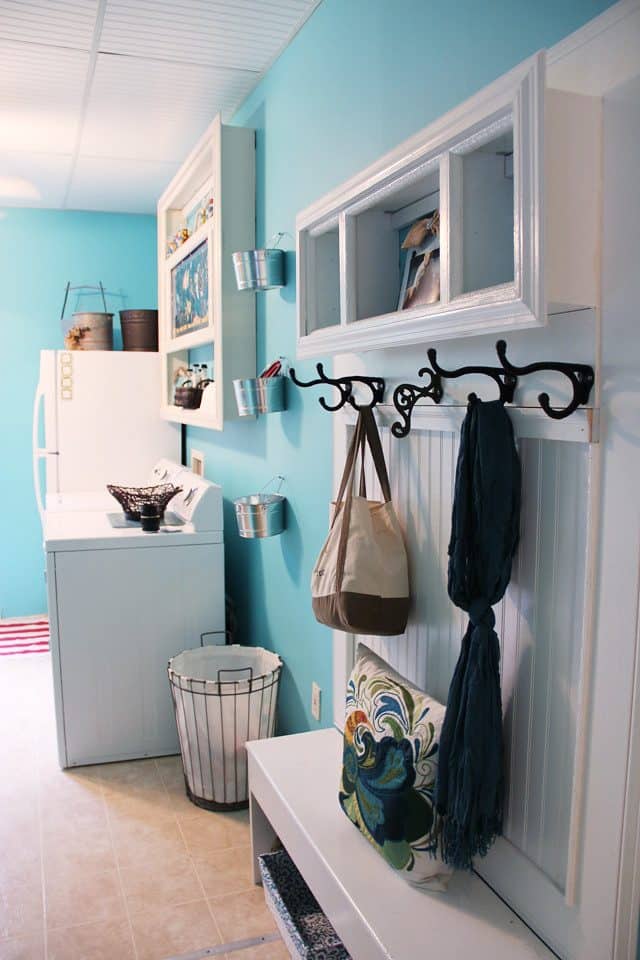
(406, 395)
(345, 387)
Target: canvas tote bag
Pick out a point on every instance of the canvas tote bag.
(360, 583)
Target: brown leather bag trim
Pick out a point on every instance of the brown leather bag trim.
(375, 616)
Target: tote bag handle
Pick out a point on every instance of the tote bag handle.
(375, 446)
(366, 433)
(346, 481)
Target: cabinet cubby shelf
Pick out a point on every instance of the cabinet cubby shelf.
(191, 418)
(190, 341)
(517, 237)
(222, 166)
(203, 233)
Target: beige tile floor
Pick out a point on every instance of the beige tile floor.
(111, 862)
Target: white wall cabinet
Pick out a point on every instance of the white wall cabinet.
(514, 173)
(202, 316)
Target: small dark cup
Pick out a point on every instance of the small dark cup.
(150, 517)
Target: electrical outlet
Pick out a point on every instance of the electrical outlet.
(197, 462)
(315, 700)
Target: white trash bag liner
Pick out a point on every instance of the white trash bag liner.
(223, 696)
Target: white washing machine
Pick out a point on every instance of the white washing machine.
(121, 603)
(164, 471)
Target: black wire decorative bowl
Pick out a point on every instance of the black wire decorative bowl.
(131, 499)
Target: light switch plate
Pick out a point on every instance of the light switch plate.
(315, 701)
(197, 462)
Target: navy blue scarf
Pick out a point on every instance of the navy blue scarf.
(484, 537)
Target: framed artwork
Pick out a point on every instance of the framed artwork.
(190, 292)
(421, 273)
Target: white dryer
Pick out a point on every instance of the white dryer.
(164, 471)
(121, 603)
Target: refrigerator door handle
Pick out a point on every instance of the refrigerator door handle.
(39, 453)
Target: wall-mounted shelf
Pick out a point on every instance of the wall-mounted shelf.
(514, 173)
(202, 233)
(191, 418)
(221, 166)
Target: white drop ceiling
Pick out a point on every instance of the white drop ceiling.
(100, 100)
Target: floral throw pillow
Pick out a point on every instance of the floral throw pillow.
(390, 761)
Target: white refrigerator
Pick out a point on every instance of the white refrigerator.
(96, 421)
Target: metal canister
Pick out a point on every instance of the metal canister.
(261, 514)
(259, 269)
(139, 330)
(94, 331)
(259, 395)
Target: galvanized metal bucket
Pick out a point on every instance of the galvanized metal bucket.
(259, 395)
(94, 331)
(261, 514)
(259, 269)
(139, 330)
(88, 330)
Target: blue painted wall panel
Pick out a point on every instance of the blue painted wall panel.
(361, 76)
(39, 251)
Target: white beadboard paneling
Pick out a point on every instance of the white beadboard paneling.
(41, 97)
(421, 472)
(547, 597)
(59, 23)
(114, 185)
(539, 623)
(48, 175)
(244, 35)
(148, 110)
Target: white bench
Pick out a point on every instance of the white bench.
(294, 794)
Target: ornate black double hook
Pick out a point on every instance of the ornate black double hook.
(580, 375)
(505, 380)
(345, 387)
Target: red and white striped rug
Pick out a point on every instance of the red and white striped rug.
(23, 636)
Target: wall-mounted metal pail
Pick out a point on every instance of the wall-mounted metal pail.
(259, 269)
(261, 514)
(259, 395)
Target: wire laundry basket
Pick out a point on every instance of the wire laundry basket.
(223, 696)
(131, 499)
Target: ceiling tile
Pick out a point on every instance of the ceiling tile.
(60, 23)
(164, 69)
(46, 174)
(138, 109)
(41, 97)
(245, 34)
(121, 186)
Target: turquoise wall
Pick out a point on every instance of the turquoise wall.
(40, 251)
(361, 76)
